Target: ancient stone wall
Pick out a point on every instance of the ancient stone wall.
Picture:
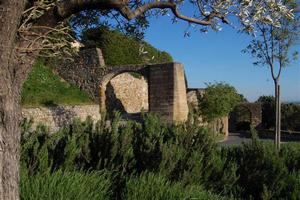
(166, 82)
(193, 95)
(255, 112)
(130, 91)
(85, 71)
(167, 91)
(60, 116)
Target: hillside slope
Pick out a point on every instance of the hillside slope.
(44, 88)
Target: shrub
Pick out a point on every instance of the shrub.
(218, 100)
(291, 155)
(63, 185)
(150, 186)
(262, 171)
(182, 156)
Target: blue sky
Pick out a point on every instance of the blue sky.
(217, 57)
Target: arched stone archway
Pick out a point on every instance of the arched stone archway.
(166, 82)
(255, 116)
(166, 88)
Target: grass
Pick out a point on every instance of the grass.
(44, 88)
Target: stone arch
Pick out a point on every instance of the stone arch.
(240, 118)
(166, 82)
(255, 112)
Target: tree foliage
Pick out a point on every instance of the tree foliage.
(218, 100)
(268, 110)
(291, 117)
(272, 46)
(47, 21)
(290, 114)
(89, 19)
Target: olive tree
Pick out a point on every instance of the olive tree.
(272, 47)
(29, 28)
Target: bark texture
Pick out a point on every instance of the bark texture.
(10, 17)
(277, 114)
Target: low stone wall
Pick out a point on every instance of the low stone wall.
(59, 116)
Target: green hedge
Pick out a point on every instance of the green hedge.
(119, 49)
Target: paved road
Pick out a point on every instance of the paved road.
(237, 139)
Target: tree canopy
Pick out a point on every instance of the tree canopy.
(272, 46)
(44, 18)
(218, 100)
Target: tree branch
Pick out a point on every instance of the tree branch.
(68, 7)
(129, 14)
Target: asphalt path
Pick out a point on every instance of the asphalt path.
(238, 139)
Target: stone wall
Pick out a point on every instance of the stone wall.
(166, 82)
(221, 126)
(60, 116)
(85, 71)
(167, 91)
(255, 112)
(130, 91)
(193, 94)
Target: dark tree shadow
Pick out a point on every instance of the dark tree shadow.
(112, 102)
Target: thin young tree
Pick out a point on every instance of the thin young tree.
(273, 47)
(29, 28)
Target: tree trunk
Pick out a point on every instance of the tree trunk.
(13, 74)
(10, 87)
(277, 115)
(9, 145)
(276, 110)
